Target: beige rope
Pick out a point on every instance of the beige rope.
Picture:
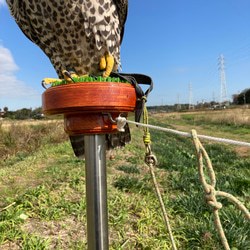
(221, 140)
(209, 189)
(150, 163)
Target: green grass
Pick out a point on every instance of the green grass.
(46, 188)
(129, 169)
(89, 79)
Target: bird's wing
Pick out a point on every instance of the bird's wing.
(18, 11)
(122, 9)
(51, 24)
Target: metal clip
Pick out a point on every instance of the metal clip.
(120, 121)
(149, 157)
(110, 118)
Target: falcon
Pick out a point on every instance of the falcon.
(80, 37)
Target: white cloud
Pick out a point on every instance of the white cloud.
(6, 60)
(10, 86)
(2, 2)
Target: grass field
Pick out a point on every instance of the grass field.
(42, 186)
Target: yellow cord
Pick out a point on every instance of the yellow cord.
(146, 136)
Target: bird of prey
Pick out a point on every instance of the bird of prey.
(81, 37)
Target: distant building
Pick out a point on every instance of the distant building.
(39, 116)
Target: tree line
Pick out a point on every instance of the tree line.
(22, 114)
(242, 98)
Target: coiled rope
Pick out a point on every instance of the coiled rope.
(209, 189)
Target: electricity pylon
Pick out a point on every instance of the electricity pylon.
(223, 88)
(191, 105)
(179, 104)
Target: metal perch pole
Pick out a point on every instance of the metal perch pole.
(96, 192)
(84, 107)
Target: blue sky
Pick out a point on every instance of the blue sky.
(173, 41)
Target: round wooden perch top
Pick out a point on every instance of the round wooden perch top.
(85, 105)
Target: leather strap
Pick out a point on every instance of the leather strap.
(135, 80)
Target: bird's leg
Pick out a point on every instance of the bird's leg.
(107, 63)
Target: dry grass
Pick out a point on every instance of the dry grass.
(7, 123)
(235, 116)
(27, 136)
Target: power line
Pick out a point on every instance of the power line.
(211, 72)
(236, 56)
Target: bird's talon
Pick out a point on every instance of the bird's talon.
(68, 77)
(43, 84)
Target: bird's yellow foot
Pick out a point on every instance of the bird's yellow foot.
(107, 63)
(47, 81)
(67, 76)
